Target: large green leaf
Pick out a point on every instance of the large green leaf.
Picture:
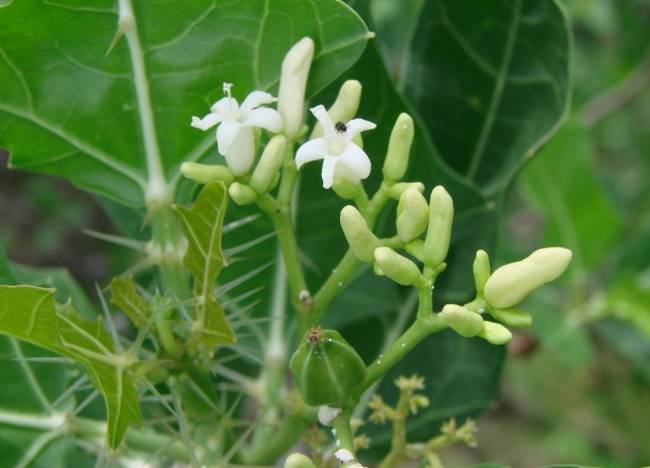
(491, 81)
(110, 122)
(30, 314)
(203, 227)
(561, 184)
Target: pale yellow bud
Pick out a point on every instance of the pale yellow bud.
(207, 173)
(269, 164)
(441, 216)
(345, 106)
(461, 320)
(481, 269)
(398, 268)
(495, 333)
(399, 147)
(412, 215)
(512, 317)
(242, 194)
(396, 190)
(293, 81)
(510, 284)
(359, 236)
(298, 460)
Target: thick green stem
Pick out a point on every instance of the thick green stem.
(343, 434)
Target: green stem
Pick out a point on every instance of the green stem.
(398, 442)
(281, 218)
(341, 425)
(280, 440)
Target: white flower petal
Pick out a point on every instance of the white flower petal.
(356, 160)
(255, 99)
(323, 117)
(206, 122)
(226, 106)
(327, 172)
(311, 150)
(356, 126)
(227, 133)
(241, 153)
(327, 414)
(264, 117)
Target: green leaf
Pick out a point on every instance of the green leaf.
(203, 227)
(125, 296)
(491, 83)
(30, 314)
(116, 121)
(561, 184)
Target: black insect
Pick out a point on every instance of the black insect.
(340, 127)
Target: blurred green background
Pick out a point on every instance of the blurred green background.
(577, 386)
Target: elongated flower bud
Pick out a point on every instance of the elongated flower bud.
(399, 147)
(269, 165)
(495, 333)
(242, 194)
(398, 268)
(441, 216)
(291, 97)
(398, 189)
(461, 320)
(359, 236)
(510, 284)
(412, 215)
(298, 460)
(481, 269)
(515, 318)
(345, 106)
(207, 173)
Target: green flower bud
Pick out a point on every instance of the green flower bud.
(293, 80)
(399, 147)
(511, 283)
(515, 318)
(298, 460)
(269, 164)
(441, 216)
(378, 271)
(242, 194)
(461, 320)
(359, 236)
(398, 268)
(396, 190)
(481, 270)
(495, 333)
(412, 215)
(345, 106)
(415, 248)
(326, 368)
(207, 173)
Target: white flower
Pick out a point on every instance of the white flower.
(327, 414)
(336, 148)
(235, 132)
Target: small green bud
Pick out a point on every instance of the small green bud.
(412, 215)
(515, 318)
(326, 368)
(269, 164)
(481, 270)
(510, 284)
(359, 236)
(495, 333)
(399, 147)
(398, 268)
(242, 194)
(441, 216)
(345, 106)
(415, 248)
(461, 320)
(207, 173)
(298, 460)
(396, 190)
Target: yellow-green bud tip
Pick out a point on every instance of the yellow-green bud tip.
(495, 333)
(298, 460)
(399, 147)
(359, 236)
(397, 267)
(464, 322)
(242, 194)
(441, 216)
(412, 215)
(207, 173)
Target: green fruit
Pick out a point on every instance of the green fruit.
(326, 368)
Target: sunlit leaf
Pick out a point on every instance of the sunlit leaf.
(110, 122)
(203, 227)
(30, 314)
